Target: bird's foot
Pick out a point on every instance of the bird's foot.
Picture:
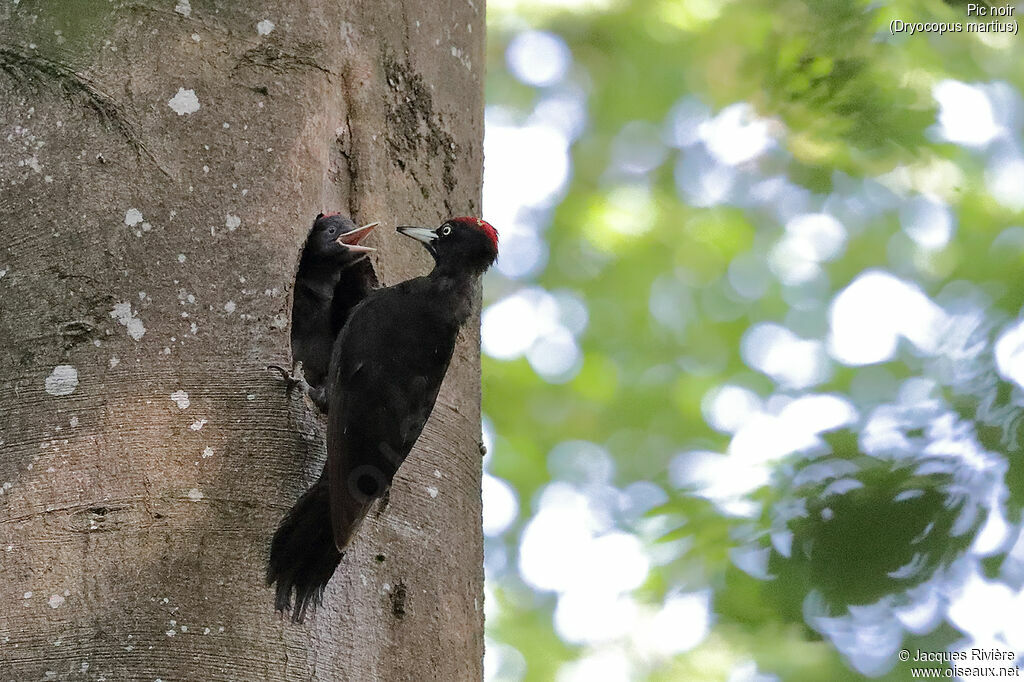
(296, 378)
(382, 504)
(292, 378)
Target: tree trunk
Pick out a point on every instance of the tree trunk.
(160, 165)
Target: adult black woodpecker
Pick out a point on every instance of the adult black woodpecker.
(333, 275)
(386, 369)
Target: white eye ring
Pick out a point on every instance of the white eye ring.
(446, 230)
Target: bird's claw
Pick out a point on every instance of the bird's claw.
(295, 377)
(383, 501)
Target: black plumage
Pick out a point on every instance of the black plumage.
(333, 275)
(386, 370)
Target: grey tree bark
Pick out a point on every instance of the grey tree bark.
(160, 164)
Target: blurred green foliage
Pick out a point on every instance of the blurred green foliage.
(854, 103)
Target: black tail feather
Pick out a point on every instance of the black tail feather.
(302, 555)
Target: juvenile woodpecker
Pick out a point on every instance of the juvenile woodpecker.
(330, 279)
(386, 369)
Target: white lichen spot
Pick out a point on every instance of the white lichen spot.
(113, 362)
(55, 601)
(122, 312)
(63, 380)
(180, 399)
(136, 330)
(195, 37)
(195, 494)
(28, 595)
(184, 628)
(132, 217)
(33, 163)
(432, 492)
(251, 396)
(207, 452)
(184, 102)
(265, 27)
(184, 8)
(232, 222)
(461, 56)
(230, 307)
(197, 424)
(206, 631)
(181, 258)
(74, 422)
(437, 473)
(171, 633)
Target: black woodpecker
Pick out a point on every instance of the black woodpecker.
(386, 369)
(331, 278)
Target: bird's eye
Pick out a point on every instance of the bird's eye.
(446, 230)
(331, 230)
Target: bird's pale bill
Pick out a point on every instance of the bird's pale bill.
(422, 234)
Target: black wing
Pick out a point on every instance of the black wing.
(388, 365)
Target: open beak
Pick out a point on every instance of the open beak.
(420, 234)
(351, 239)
